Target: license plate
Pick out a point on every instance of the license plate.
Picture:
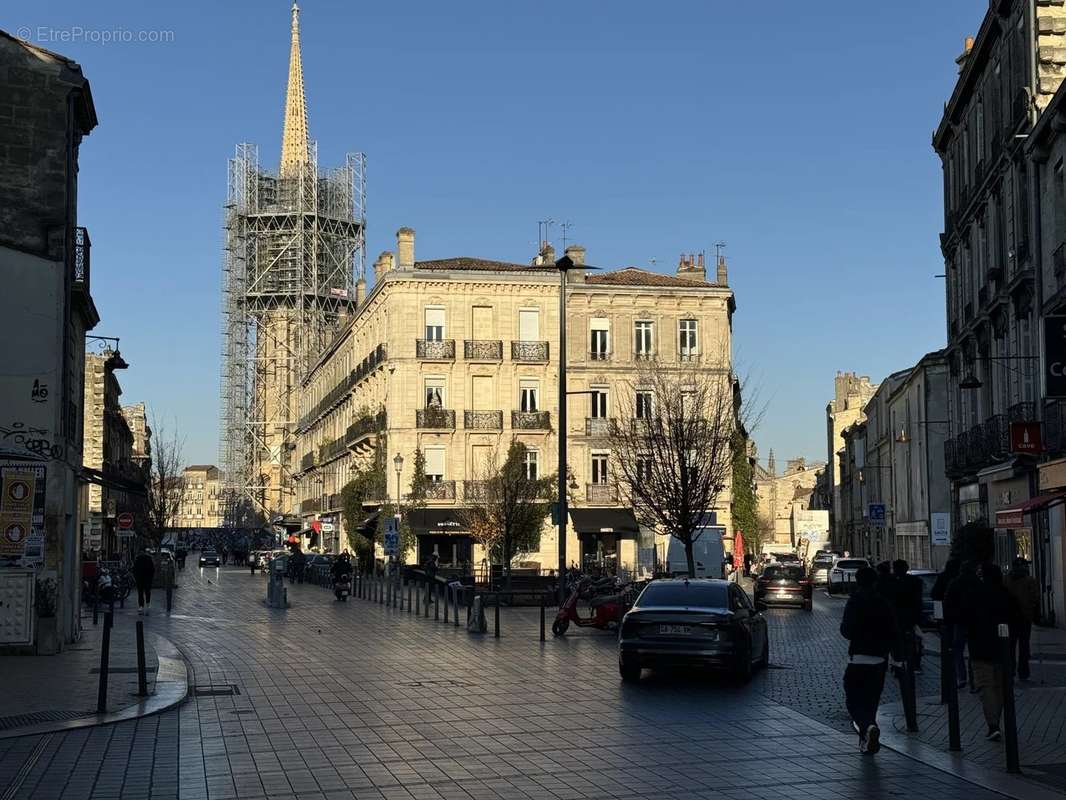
(675, 630)
(782, 593)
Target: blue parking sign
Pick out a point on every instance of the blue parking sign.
(877, 513)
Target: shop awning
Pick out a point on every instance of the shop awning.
(620, 521)
(1010, 518)
(437, 521)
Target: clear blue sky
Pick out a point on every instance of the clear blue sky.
(796, 132)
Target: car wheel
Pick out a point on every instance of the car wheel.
(808, 605)
(629, 671)
(559, 627)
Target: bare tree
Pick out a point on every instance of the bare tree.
(507, 506)
(165, 482)
(673, 443)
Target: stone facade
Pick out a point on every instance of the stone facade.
(780, 496)
(46, 108)
(850, 395)
(457, 356)
(201, 498)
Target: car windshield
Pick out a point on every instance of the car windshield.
(822, 562)
(706, 595)
(851, 563)
(785, 572)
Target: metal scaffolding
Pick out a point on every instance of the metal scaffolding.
(294, 245)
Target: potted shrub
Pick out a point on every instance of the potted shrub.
(47, 632)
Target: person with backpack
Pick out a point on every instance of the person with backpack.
(869, 625)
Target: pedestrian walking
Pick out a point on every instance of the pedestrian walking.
(143, 576)
(958, 599)
(1025, 590)
(990, 606)
(908, 608)
(870, 627)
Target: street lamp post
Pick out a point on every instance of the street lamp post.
(398, 463)
(563, 264)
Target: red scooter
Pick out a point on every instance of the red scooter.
(607, 609)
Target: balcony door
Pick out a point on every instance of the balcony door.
(434, 324)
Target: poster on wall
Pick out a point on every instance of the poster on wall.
(941, 529)
(22, 488)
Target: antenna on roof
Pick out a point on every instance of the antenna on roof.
(566, 226)
(544, 231)
(718, 248)
(653, 261)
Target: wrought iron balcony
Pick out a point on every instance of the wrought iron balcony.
(1022, 412)
(601, 493)
(483, 420)
(80, 265)
(307, 461)
(599, 355)
(475, 490)
(996, 438)
(535, 352)
(435, 349)
(531, 420)
(482, 350)
(310, 506)
(363, 427)
(440, 490)
(598, 426)
(441, 418)
(688, 357)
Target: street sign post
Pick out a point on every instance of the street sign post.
(877, 514)
(392, 537)
(125, 521)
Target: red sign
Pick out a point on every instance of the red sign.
(1025, 437)
(125, 521)
(1010, 520)
(316, 526)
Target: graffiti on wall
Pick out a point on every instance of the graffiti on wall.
(19, 440)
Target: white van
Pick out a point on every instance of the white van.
(707, 551)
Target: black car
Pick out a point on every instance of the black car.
(785, 584)
(701, 622)
(210, 558)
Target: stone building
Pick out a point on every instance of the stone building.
(137, 418)
(456, 356)
(850, 395)
(45, 310)
(780, 497)
(201, 503)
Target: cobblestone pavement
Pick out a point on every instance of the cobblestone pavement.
(352, 700)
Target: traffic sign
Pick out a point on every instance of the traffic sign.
(391, 537)
(327, 527)
(877, 513)
(125, 521)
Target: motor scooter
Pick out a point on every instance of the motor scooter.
(607, 609)
(342, 586)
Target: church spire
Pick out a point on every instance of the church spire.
(294, 135)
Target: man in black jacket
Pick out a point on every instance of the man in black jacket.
(144, 575)
(908, 608)
(870, 626)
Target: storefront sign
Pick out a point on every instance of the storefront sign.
(1055, 357)
(1025, 437)
(1010, 519)
(941, 529)
(1053, 475)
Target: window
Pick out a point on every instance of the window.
(643, 404)
(434, 392)
(531, 460)
(529, 391)
(643, 468)
(434, 464)
(684, 595)
(599, 468)
(529, 324)
(599, 403)
(687, 338)
(642, 346)
(600, 341)
(434, 324)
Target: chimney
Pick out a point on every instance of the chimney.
(405, 248)
(360, 293)
(547, 252)
(382, 265)
(723, 273)
(576, 253)
(687, 268)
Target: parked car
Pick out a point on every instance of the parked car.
(785, 584)
(928, 578)
(821, 564)
(842, 575)
(209, 558)
(700, 622)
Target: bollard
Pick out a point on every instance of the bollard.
(470, 605)
(170, 596)
(436, 600)
(427, 599)
(96, 606)
(1010, 722)
(496, 617)
(418, 601)
(455, 608)
(542, 616)
(105, 657)
(906, 685)
(409, 584)
(142, 671)
(947, 656)
(447, 601)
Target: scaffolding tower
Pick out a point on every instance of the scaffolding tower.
(294, 244)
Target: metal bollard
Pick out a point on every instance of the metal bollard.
(947, 655)
(906, 686)
(427, 599)
(436, 601)
(170, 597)
(409, 585)
(470, 605)
(418, 601)
(105, 659)
(1010, 722)
(542, 616)
(96, 607)
(496, 617)
(447, 601)
(455, 608)
(142, 670)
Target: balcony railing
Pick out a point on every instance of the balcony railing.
(307, 461)
(440, 490)
(530, 420)
(535, 352)
(598, 426)
(340, 390)
(996, 438)
(601, 493)
(482, 350)
(1022, 412)
(599, 355)
(81, 260)
(483, 420)
(310, 506)
(364, 427)
(441, 418)
(331, 450)
(688, 357)
(475, 490)
(435, 349)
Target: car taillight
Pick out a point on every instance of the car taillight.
(630, 626)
